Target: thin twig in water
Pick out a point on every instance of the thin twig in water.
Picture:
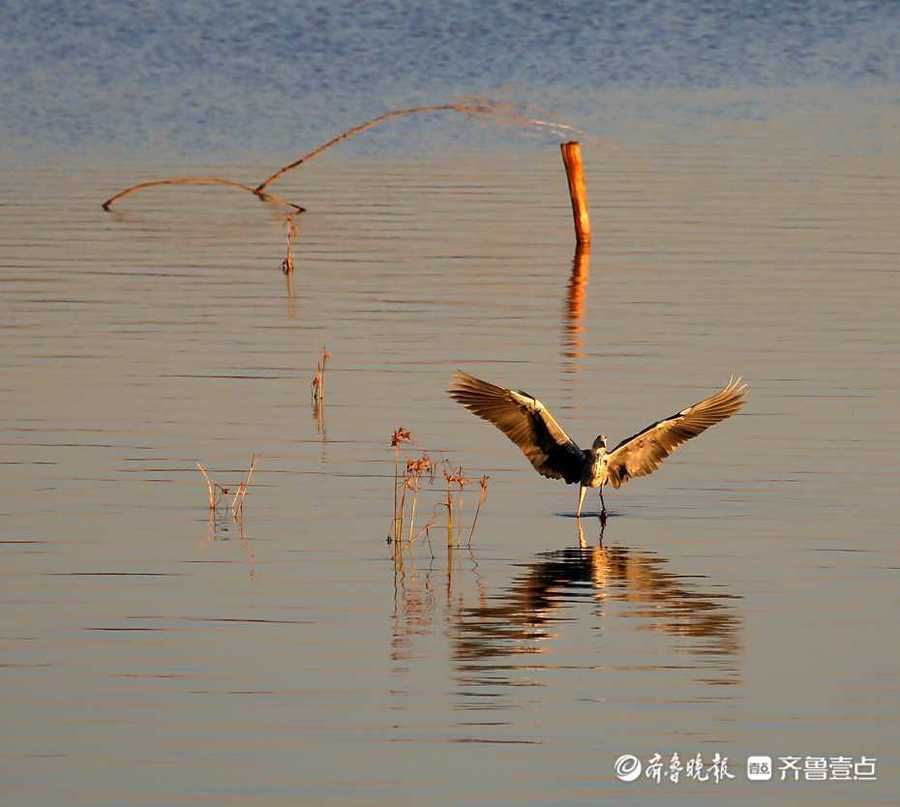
(415, 470)
(287, 265)
(426, 531)
(481, 499)
(496, 112)
(453, 477)
(413, 484)
(485, 109)
(230, 183)
(401, 435)
(211, 486)
(359, 129)
(237, 503)
(474, 107)
(318, 393)
(318, 382)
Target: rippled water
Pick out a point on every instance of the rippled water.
(744, 597)
(745, 187)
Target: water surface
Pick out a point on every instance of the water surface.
(744, 183)
(743, 598)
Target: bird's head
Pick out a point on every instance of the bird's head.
(600, 442)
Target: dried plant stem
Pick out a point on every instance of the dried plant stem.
(213, 493)
(318, 382)
(449, 515)
(451, 544)
(396, 483)
(398, 536)
(426, 528)
(325, 357)
(481, 499)
(287, 265)
(400, 435)
(359, 129)
(230, 183)
(399, 571)
(474, 107)
(237, 503)
(412, 516)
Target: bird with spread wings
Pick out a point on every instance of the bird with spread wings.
(531, 426)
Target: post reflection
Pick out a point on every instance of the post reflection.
(576, 298)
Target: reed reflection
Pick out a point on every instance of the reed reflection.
(423, 591)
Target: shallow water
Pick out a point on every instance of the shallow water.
(743, 600)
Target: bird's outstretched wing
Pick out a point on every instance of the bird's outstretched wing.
(526, 421)
(643, 453)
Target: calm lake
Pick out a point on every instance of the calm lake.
(743, 600)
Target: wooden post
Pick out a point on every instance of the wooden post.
(571, 155)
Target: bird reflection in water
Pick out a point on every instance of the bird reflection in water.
(618, 582)
(499, 640)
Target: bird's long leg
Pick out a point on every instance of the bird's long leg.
(602, 503)
(581, 492)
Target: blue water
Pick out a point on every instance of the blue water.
(264, 76)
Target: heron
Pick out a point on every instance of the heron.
(532, 427)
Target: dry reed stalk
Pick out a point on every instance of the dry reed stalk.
(481, 499)
(449, 503)
(453, 477)
(211, 486)
(427, 528)
(393, 534)
(474, 107)
(571, 155)
(401, 435)
(401, 513)
(237, 503)
(399, 562)
(414, 486)
(359, 129)
(451, 545)
(318, 392)
(230, 183)
(415, 470)
(318, 382)
(318, 413)
(287, 265)
(412, 476)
